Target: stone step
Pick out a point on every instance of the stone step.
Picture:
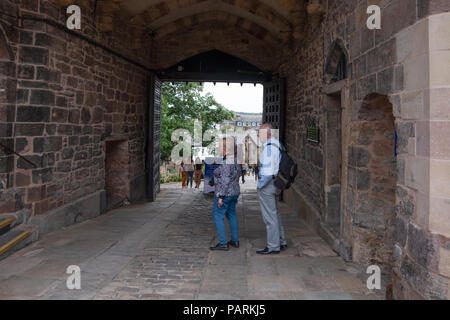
(16, 239)
(331, 235)
(6, 224)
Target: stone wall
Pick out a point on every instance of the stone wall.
(379, 62)
(65, 96)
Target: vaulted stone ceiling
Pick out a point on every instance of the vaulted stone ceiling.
(276, 18)
(270, 23)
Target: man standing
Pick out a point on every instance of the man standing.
(268, 169)
(243, 171)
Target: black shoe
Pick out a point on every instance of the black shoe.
(267, 251)
(283, 247)
(234, 243)
(223, 247)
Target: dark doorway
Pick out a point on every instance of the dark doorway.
(372, 182)
(116, 172)
(333, 158)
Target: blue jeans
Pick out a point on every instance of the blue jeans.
(190, 177)
(228, 210)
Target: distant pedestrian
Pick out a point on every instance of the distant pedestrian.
(256, 171)
(268, 168)
(226, 194)
(189, 167)
(198, 172)
(183, 175)
(243, 171)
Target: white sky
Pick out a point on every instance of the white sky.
(247, 98)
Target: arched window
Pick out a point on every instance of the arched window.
(336, 66)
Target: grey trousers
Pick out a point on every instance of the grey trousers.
(271, 217)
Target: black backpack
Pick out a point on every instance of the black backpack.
(287, 170)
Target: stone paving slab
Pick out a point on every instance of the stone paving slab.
(160, 250)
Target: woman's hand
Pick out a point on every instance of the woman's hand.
(220, 202)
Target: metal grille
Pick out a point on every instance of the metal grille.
(273, 106)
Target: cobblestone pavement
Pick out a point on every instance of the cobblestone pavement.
(160, 250)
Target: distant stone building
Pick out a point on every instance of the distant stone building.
(241, 125)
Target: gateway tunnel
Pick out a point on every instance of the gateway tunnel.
(363, 112)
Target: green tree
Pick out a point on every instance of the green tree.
(183, 103)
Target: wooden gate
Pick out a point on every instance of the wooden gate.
(154, 138)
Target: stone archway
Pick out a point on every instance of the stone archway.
(372, 180)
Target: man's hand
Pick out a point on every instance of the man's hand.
(220, 202)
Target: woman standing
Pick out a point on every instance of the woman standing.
(189, 168)
(226, 193)
(198, 172)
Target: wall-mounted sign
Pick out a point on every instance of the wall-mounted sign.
(313, 134)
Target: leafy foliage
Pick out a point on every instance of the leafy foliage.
(183, 103)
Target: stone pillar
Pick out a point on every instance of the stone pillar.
(422, 250)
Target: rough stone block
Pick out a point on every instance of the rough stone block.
(439, 75)
(423, 247)
(22, 96)
(28, 130)
(439, 219)
(64, 166)
(25, 72)
(37, 162)
(33, 55)
(31, 5)
(405, 205)
(429, 7)
(405, 130)
(8, 143)
(430, 285)
(366, 86)
(439, 178)
(21, 145)
(47, 144)
(42, 97)
(33, 114)
(439, 108)
(67, 153)
(385, 81)
(398, 15)
(36, 193)
(358, 157)
(22, 179)
(59, 115)
(381, 57)
(6, 164)
(363, 180)
(401, 231)
(42, 175)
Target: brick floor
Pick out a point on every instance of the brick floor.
(160, 251)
